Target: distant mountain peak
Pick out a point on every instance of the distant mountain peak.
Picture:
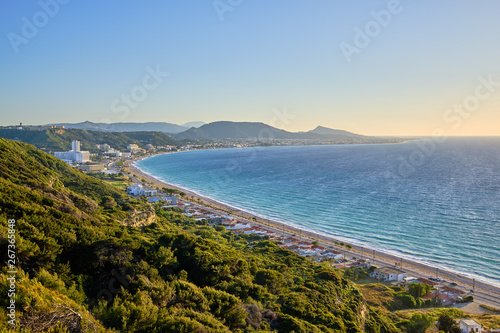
(330, 131)
(259, 130)
(193, 124)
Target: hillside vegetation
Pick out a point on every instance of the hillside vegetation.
(60, 139)
(81, 269)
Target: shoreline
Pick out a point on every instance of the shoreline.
(487, 292)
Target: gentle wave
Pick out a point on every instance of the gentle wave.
(441, 213)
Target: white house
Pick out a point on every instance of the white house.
(150, 192)
(238, 226)
(389, 274)
(135, 189)
(470, 325)
(333, 254)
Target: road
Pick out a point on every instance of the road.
(484, 293)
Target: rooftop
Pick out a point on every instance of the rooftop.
(470, 322)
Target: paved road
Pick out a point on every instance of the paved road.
(484, 294)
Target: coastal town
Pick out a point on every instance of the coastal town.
(335, 253)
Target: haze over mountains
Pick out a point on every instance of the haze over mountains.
(133, 127)
(229, 130)
(255, 130)
(198, 130)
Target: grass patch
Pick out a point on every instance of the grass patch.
(490, 308)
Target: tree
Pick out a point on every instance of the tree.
(419, 323)
(448, 324)
(419, 289)
(108, 202)
(406, 301)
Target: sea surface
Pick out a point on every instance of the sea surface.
(435, 202)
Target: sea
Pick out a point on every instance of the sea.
(437, 202)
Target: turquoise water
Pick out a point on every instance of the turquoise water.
(435, 202)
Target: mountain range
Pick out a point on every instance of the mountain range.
(253, 130)
(199, 130)
(229, 130)
(133, 127)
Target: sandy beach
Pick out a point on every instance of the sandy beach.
(485, 293)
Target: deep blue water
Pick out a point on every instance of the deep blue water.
(436, 202)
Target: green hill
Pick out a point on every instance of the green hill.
(229, 130)
(80, 268)
(60, 139)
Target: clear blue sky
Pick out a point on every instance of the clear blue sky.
(262, 58)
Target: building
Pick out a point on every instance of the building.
(429, 282)
(133, 146)
(136, 189)
(443, 297)
(134, 149)
(333, 254)
(389, 274)
(470, 325)
(74, 155)
(104, 147)
(113, 152)
(75, 145)
(156, 199)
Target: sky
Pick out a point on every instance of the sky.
(370, 67)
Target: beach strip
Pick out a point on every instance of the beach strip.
(485, 293)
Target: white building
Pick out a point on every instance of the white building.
(136, 189)
(113, 152)
(132, 146)
(470, 325)
(389, 274)
(333, 254)
(74, 155)
(238, 226)
(149, 192)
(75, 145)
(105, 147)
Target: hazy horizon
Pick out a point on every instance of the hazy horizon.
(385, 68)
(300, 130)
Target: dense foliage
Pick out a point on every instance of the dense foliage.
(81, 268)
(60, 139)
